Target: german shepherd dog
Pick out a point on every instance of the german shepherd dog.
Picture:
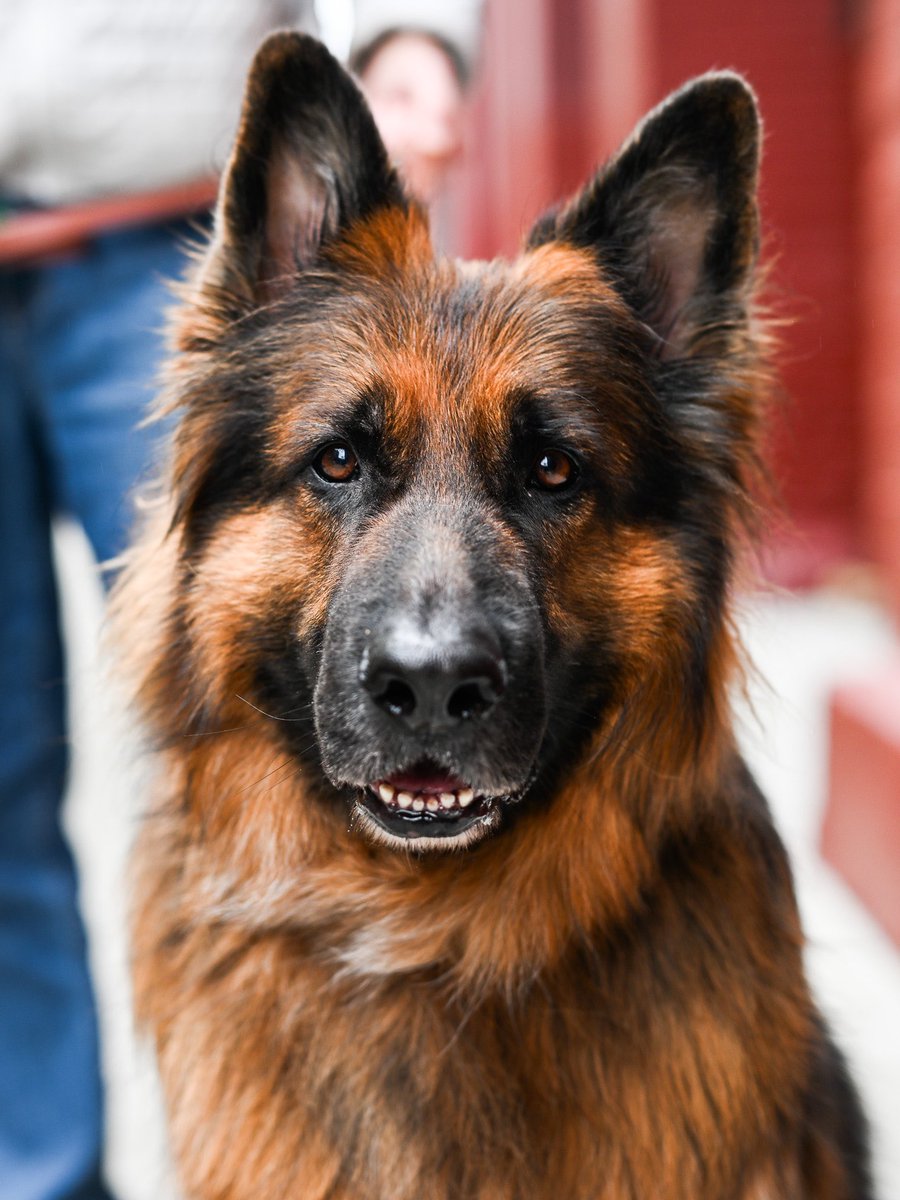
(455, 886)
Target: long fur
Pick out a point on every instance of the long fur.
(604, 999)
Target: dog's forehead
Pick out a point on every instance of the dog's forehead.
(478, 335)
(449, 347)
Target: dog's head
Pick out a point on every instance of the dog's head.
(449, 525)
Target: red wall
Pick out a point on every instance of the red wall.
(878, 115)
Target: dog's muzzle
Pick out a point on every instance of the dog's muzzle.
(429, 700)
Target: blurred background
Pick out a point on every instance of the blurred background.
(557, 85)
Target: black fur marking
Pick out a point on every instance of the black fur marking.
(235, 475)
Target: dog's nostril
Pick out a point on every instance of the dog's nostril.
(396, 698)
(470, 700)
(430, 682)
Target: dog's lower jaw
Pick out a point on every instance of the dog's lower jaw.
(426, 834)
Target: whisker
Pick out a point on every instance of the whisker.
(249, 724)
(272, 716)
(216, 732)
(287, 763)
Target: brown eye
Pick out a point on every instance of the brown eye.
(554, 470)
(337, 463)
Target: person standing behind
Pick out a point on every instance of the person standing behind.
(112, 119)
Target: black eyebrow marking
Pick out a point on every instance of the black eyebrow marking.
(565, 416)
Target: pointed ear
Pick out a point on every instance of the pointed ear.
(673, 217)
(306, 163)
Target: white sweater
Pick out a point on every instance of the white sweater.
(99, 97)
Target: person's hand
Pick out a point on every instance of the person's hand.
(417, 101)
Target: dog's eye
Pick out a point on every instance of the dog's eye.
(553, 470)
(337, 463)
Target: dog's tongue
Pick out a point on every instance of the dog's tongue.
(426, 781)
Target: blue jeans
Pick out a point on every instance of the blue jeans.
(79, 347)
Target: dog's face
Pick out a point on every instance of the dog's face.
(448, 524)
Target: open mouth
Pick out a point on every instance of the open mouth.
(429, 807)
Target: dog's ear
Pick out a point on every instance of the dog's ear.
(306, 163)
(673, 216)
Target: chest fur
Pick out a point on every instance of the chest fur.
(612, 1076)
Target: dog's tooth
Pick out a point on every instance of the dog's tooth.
(431, 804)
(386, 792)
(404, 799)
(418, 804)
(448, 799)
(466, 796)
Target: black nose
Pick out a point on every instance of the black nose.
(434, 680)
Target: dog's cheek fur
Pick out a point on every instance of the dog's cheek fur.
(250, 597)
(260, 585)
